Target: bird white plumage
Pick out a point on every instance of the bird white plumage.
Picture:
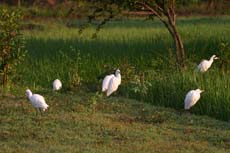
(37, 100)
(114, 83)
(206, 64)
(191, 98)
(57, 84)
(105, 82)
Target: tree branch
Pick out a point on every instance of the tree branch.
(158, 15)
(152, 10)
(172, 10)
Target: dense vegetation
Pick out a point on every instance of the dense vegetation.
(80, 118)
(142, 50)
(11, 44)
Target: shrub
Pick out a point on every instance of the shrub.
(12, 44)
(225, 56)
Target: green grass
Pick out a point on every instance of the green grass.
(136, 47)
(87, 122)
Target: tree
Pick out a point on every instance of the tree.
(12, 43)
(164, 10)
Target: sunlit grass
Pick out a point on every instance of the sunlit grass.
(86, 122)
(136, 46)
(81, 119)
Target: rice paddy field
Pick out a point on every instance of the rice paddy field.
(146, 114)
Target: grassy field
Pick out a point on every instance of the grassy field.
(143, 51)
(81, 119)
(88, 122)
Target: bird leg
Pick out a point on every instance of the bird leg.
(40, 110)
(188, 112)
(104, 94)
(37, 110)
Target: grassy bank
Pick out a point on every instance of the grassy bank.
(88, 122)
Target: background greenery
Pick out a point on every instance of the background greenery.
(82, 119)
(143, 52)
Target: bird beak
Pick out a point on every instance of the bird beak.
(216, 58)
(202, 91)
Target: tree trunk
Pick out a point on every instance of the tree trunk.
(19, 3)
(51, 2)
(210, 4)
(170, 24)
(180, 47)
(176, 44)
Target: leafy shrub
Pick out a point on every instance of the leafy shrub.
(75, 62)
(12, 49)
(225, 56)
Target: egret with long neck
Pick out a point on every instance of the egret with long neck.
(206, 64)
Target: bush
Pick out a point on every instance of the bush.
(12, 44)
(225, 56)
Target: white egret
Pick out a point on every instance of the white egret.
(105, 82)
(206, 64)
(57, 85)
(114, 83)
(37, 101)
(191, 98)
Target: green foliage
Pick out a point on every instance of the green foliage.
(94, 100)
(170, 89)
(72, 63)
(140, 86)
(225, 56)
(136, 48)
(188, 2)
(12, 44)
(75, 63)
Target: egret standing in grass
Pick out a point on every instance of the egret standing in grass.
(111, 82)
(114, 83)
(105, 82)
(206, 64)
(191, 98)
(37, 101)
(57, 85)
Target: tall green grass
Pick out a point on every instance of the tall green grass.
(135, 47)
(170, 90)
